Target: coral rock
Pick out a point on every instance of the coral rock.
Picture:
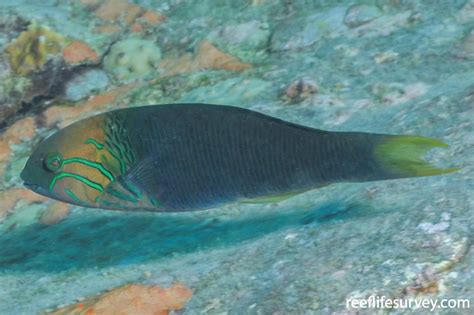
(361, 14)
(12, 88)
(152, 17)
(251, 35)
(112, 9)
(30, 51)
(22, 129)
(467, 48)
(132, 59)
(136, 27)
(79, 52)
(207, 57)
(84, 83)
(66, 115)
(133, 12)
(298, 33)
(300, 90)
(132, 299)
(3, 163)
(107, 28)
(121, 12)
(9, 198)
(4, 150)
(55, 213)
(466, 14)
(91, 2)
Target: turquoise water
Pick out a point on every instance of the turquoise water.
(398, 67)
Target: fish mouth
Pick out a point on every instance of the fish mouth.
(30, 186)
(37, 189)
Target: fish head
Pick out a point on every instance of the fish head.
(40, 170)
(72, 165)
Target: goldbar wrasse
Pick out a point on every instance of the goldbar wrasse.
(184, 157)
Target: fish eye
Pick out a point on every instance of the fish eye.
(53, 162)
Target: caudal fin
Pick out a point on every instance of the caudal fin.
(402, 156)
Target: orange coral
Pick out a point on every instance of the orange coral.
(136, 27)
(9, 198)
(112, 9)
(132, 299)
(107, 28)
(78, 52)
(144, 20)
(4, 150)
(57, 212)
(207, 56)
(133, 12)
(66, 115)
(152, 17)
(116, 11)
(23, 129)
(3, 167)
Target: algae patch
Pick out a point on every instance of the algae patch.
(32, 48)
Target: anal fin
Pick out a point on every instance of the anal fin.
(275, 198)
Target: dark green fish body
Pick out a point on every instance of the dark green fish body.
(183, 157)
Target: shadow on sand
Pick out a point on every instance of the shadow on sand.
(91, 238)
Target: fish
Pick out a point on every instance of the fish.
(187, 157)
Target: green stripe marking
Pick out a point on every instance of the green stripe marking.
(122, 163)
(73, 196)
(97, 166)
(122, 196)
(83, 179)
(132, 188)
(98, 145)
(121, 149)
(154, 202)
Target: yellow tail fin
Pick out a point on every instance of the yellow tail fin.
(402, 155)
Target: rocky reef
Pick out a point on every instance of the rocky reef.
(397, 67)
(133, 58)
(132, 299)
